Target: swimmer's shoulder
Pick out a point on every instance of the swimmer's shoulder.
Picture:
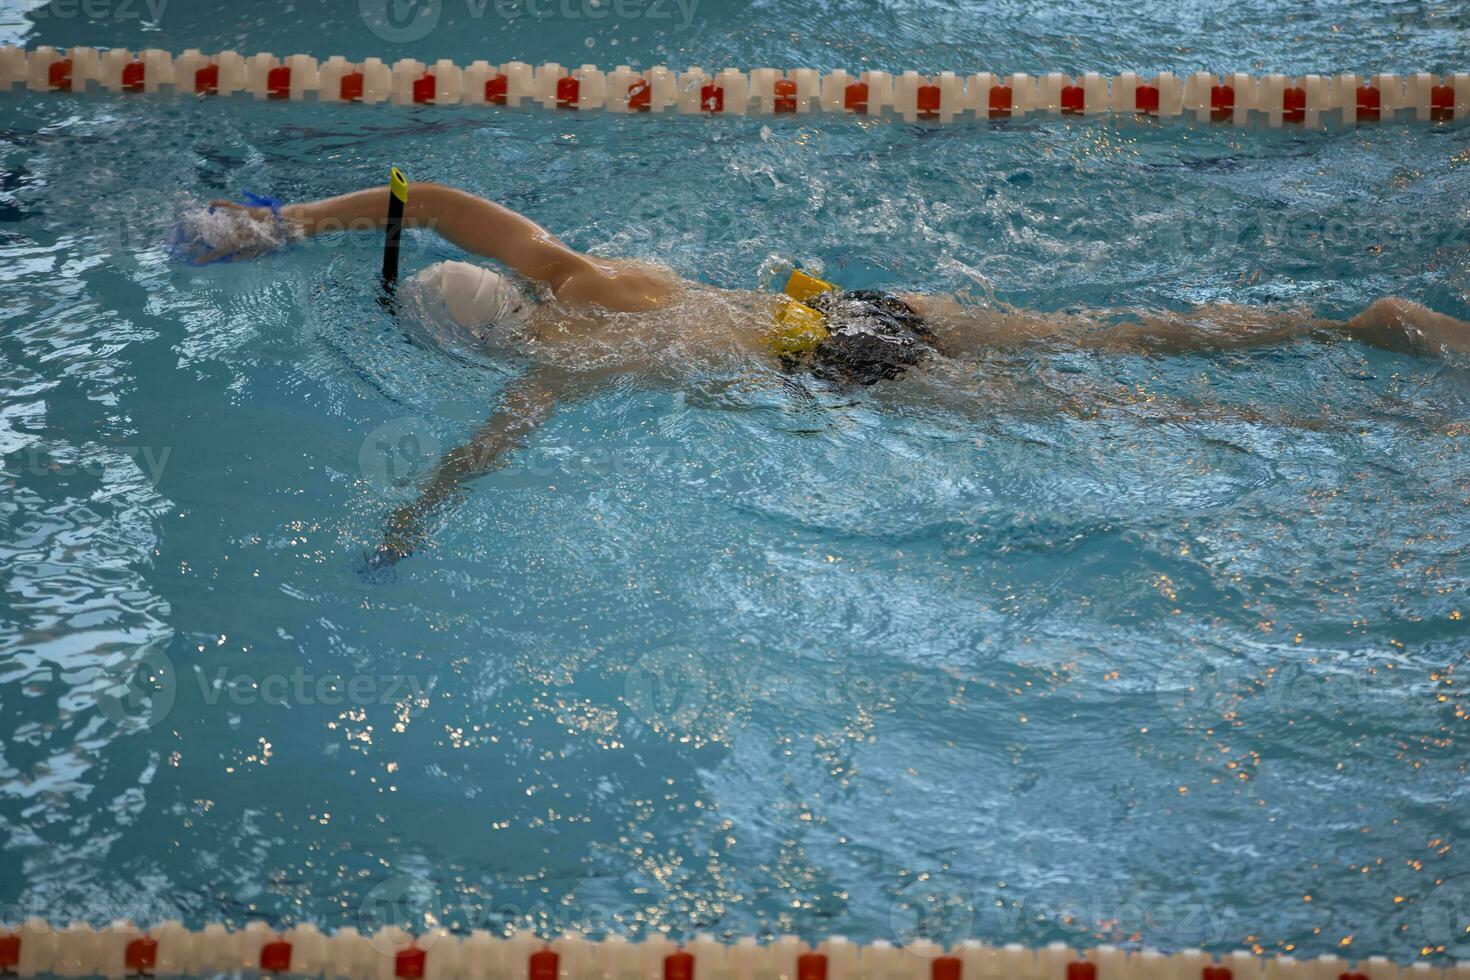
(622, 285)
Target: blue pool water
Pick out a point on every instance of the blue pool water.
(716, 655)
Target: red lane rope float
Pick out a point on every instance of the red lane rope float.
(927, 101)
(9, 953)
(640, 96)
(1146, 99)
(410, 963)
(1370, 102)
(712, 98)
(141, 955)
(134, 77)
(1293, 105)
(59, 75)
(1307, 100)
(1222, 101)
(568, 92)
(953, 968)
(1001, 99)
(278, 82)
(1442, 103)
(544, 964)
(811, 966)
(206, 80)
(784, 99)
(275, 957)
(679, 966)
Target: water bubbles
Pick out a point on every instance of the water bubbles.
(775, 270)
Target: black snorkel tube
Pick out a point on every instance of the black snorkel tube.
(397, 200)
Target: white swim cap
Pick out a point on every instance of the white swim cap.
(474, 296)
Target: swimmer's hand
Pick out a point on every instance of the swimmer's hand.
(228, 232)
(261, 213)
(403, 535)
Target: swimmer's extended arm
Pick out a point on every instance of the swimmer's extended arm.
(527, 404)
(485, 228)
(472, 223)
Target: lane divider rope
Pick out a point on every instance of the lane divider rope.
(1237, 98)
(123, 950)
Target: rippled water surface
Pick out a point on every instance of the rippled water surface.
(722, 654)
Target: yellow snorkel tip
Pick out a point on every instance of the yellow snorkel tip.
(802, 287)
(398, 184)
(799, 329)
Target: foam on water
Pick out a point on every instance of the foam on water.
(206, 235)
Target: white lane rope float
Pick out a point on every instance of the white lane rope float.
(122, 950)
(1310, 101)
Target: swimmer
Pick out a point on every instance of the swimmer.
(599, 316)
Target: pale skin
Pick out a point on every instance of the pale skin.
(592, 296)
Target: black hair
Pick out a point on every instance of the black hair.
(872, 336)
